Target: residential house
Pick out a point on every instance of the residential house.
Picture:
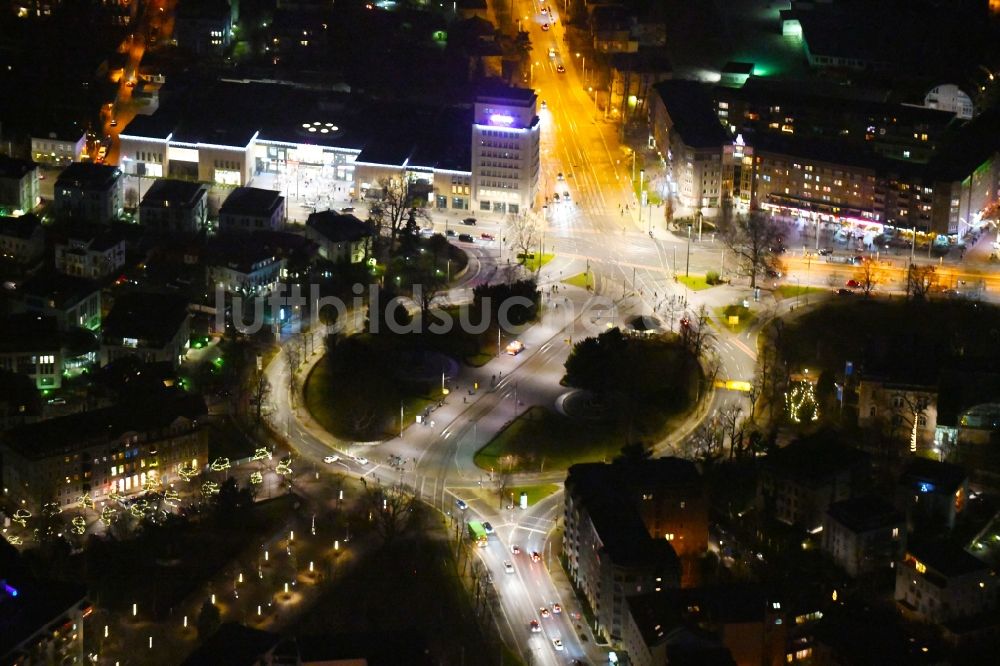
(244, 270)
(340, 237)
(59, 147)
(626, 524)
(738, 624)
(932, 493)
(73, 301)
(18, 185)
(153, 327)
(906, 409)
(174, 206)
(22, 239)
(249, 209)
(34, 345)
(942, 583)
(94, 255)
(864, 534)
(799, 482)
(89, 192)
(121, 449)
(204, 27)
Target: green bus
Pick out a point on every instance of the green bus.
(477, 533)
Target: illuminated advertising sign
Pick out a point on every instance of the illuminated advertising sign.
(501, 119)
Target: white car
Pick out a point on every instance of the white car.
(508, 567)
(331, 459)
(557, 643)
(361, 460)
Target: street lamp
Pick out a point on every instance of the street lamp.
(583, 58)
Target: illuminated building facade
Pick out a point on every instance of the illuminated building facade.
(943, 583)
(505, 150)
(121, 449)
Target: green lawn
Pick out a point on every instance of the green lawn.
(694, 282)
(535, 263)
(479, 360)
(792, 290)
(746, 315)
(535, 493)
(582, 280)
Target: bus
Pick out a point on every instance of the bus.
(478, 533)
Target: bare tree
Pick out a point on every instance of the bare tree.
(919, 281)
(753, 239)
(868, 276)
(260, 390)
(732, 427)
(392, 510)
(396, 206)
(522, 233)
(705, 442)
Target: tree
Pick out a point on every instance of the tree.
(753, 239)
(522, 234)
(392, 510)
(919, 281)
(397, 205)
(260, 390)
(131, 197)
(209, 620)
(868, 276)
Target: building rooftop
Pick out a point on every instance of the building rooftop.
(29, 331)
(88, 176)
(69, 433)
(608, 494)
(239, 253)
(863, 514)
(946, 558)
(657, 614)
(148, 317)
(815, 460)
(932, 476)
(204, 9)
(15, 168)
(251, 201)
(167, 192)
(338, 227)
(23, 227)
(493, 90)
(36, 605)
(59, 291)
(689, 105)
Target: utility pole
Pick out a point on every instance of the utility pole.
(687, 267)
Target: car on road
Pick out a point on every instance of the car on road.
(555, 197)
(535, 627)
(556, 608)
(557, 644)
(544, 105)
(102, 152)
(566, 195)
(544, 10)
(361, 460)
(488, 527)
(552, 52)
(535, 556)
(114, 123)
(487, 237)
(515, 549)
(771, 273)
(544, 612)
(559, 176)
(852, 284)
(461, 504)
(545, 26)
(845, 292)
(560, 69)
(449, 232)
(471, 221)
(348, 209)
(825, 252)
(466, 238)
(515, 348)
(329, 460)
(508, 567)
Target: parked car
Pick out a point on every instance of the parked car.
(466, 238)
(450, 233)
(487, 237)
(471, 221)
(852, 284)
(331, 459)
(845, 292)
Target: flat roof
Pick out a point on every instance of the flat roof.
(946, 558)
(932, 476)
(145, 316)
(251, 201)
(690, 107)
(11, 167)
(863, 514)
(170, 192)
(61, 290)
(816, 459)
(29, 331)
(88, 175)
(232, 113)
(23, 227)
